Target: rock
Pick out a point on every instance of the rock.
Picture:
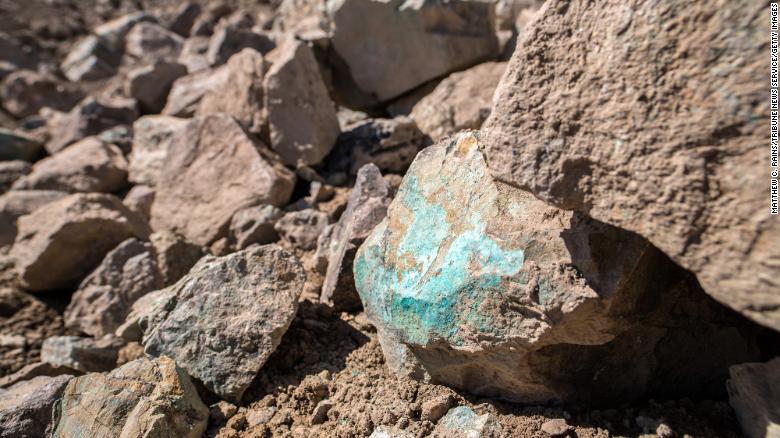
(187, 91)
(16, 145)
(82, 354)
(10, 171)
(33, 370)
(152, 42)
(14, 53)
(151, 141)
(193, 54)
(257, 287)
(391, 144)
(113, 33)
(105, 297)
(478, 285)
(142, 398)
(229, 40)
(664, 431)
(222, 411)
(17, 203)
(367, 207)
(301, 117)
(432, 39)
(240, 95)
(556, 427)
(86, 166)
(139, 200)
(150, 84)
(49, 246)
(301, 228)
(435, 408)
(683, 179)
(175, 256)
(196, 195)
(390, 432)
(754, 393)
(320, 413)
(462, 422)
(25, 408)
(90, 117)
(184, 17)
(254, 225)
(89, 59)
(461, 101)
(204, 24)
(121, 136)
(25, 92)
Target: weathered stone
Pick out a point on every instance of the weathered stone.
(33, 370)
(139, 200)
(245, 300)
(391, 144)
(240, 95)
(662, 143)
(390, 432)
(150, 84)
(301, 117)
(754, 393)
(193, 54)
(152, 42)
(301, 228)
(187, 91)
(25, 92)
(121, 136)
(556, 427)
(17, 203)
(461, 101)
(204, 24)
(11, 171)
(89, 59)
(113, 33)
(105, 297)
(175, 256)
(184, 17)
(229, 40)
(437, 407)
(197, 194)
(366, 208)
(15, 145)
(90, 117)
(432, 39)
(462, 422)
(151, 140)
(25, 408)
(151, 398)
(478, 285)
(82, 354)
(86, 166)
(254, 225)
(49, 246)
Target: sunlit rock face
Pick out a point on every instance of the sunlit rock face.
(479, 285)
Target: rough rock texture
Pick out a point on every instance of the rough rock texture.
(59, 243)
(25, 92)
(301, 117)
(145, 397)
(82, 354)
(33, 370)
(301, 228)
(16, 145)
(254, 225)
(175, 256)
(222, 321)
(480, 286)
(193, 54)
(213, 169)
(187, 91)
(139, 200)
(432, 39)
(462, 422)
(241, 93)
(182, 20)
(11, 171)
(17, 203)
(152, 42)
(366, 208)
(229, 40)
(105, 297)
(152, 137)
(666, 143)
(754, 393)
(86, 166)
(461, 101)
(150, 84)
(25, 408)
(89, 60)
(89, 117)
(114, 32)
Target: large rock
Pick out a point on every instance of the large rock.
(152, 398)
(90, 117)
(241, 93)
(82, 354)
(754, 393)
(223, 320)
(187, 91)
(150, 84)
(662, 143)
(86, 166)
(15, 145)
(139, 200)
(478, 285)
(366, 208)
(25, 408)
(18, 203)
(90, 59)
(213, 169)
(301, 117)
(105, 297)
(59, 243)
(114, 32)
(152, 137)
(25, 92)
(229, 40)
(151, 42)
(461, 101)
(175, 256)
(392, 46)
